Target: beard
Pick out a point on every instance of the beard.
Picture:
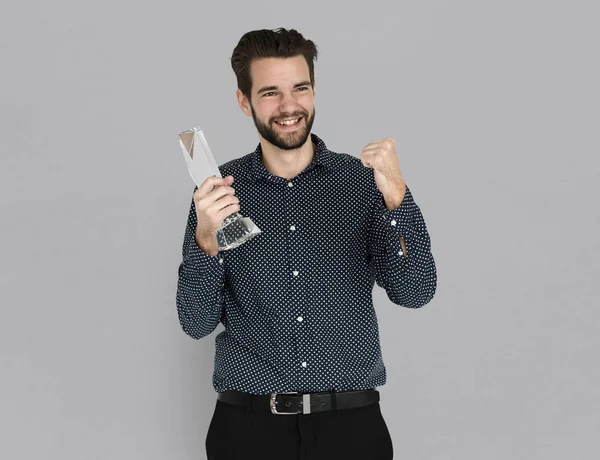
(285, 141)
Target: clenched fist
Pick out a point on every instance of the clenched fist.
(381, 156)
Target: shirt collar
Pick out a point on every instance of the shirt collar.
(323, 157)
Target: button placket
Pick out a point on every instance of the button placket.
(296, 313)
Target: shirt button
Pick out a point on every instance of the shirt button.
(221, 260)
(304, 364)
(300, 318)
(393, 223)
(290, 184)
(295, 272)
(293, 227)
(400, 253)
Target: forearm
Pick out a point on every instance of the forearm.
(208, 243)
(401, 251)
(199, 296)
(410, 268)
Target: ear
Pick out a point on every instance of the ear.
(243, 103)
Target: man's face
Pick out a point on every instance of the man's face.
(281, 90)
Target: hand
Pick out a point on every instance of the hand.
(381, 156)
(214, 201)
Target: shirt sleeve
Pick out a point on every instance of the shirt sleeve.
(408, 277)
(200, 285)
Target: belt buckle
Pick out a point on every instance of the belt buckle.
(273, 403)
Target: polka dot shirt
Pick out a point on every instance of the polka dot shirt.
(296, 300)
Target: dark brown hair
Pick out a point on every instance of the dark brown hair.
(265, 43)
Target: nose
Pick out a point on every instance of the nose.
(288, 105)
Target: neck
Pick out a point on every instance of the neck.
(287, 163)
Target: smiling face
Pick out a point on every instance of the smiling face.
(281, 90)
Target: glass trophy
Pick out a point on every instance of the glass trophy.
(201, 164)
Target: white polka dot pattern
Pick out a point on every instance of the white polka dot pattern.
(296, 300)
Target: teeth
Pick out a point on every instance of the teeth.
(289, 122)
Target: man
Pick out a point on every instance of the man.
(297, 366)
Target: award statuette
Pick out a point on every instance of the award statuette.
(200, 162)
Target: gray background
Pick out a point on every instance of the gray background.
(494, 106)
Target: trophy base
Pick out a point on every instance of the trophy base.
(235, 231)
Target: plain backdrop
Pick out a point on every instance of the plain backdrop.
(494, 107)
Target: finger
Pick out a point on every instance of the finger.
(368, 157)
(227, 204)
(223, 203)
(211, 182)
(375, 144)
(207, 202)
(227, 211)
(370, 160)
(228, 181)
(218, 192)
(371, 148)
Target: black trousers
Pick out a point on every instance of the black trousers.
(237, 432)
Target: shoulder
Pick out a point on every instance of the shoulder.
(236, 167)
(351, 169)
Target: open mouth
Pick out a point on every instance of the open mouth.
(289, 124)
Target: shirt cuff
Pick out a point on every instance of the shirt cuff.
(197, 259)
(401, 218)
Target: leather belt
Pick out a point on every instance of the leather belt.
(287, 403)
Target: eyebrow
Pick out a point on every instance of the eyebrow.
(271, 88)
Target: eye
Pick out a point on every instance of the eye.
(270, 92)
(303, 88)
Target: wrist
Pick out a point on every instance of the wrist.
(394, 200)
(207, 242)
